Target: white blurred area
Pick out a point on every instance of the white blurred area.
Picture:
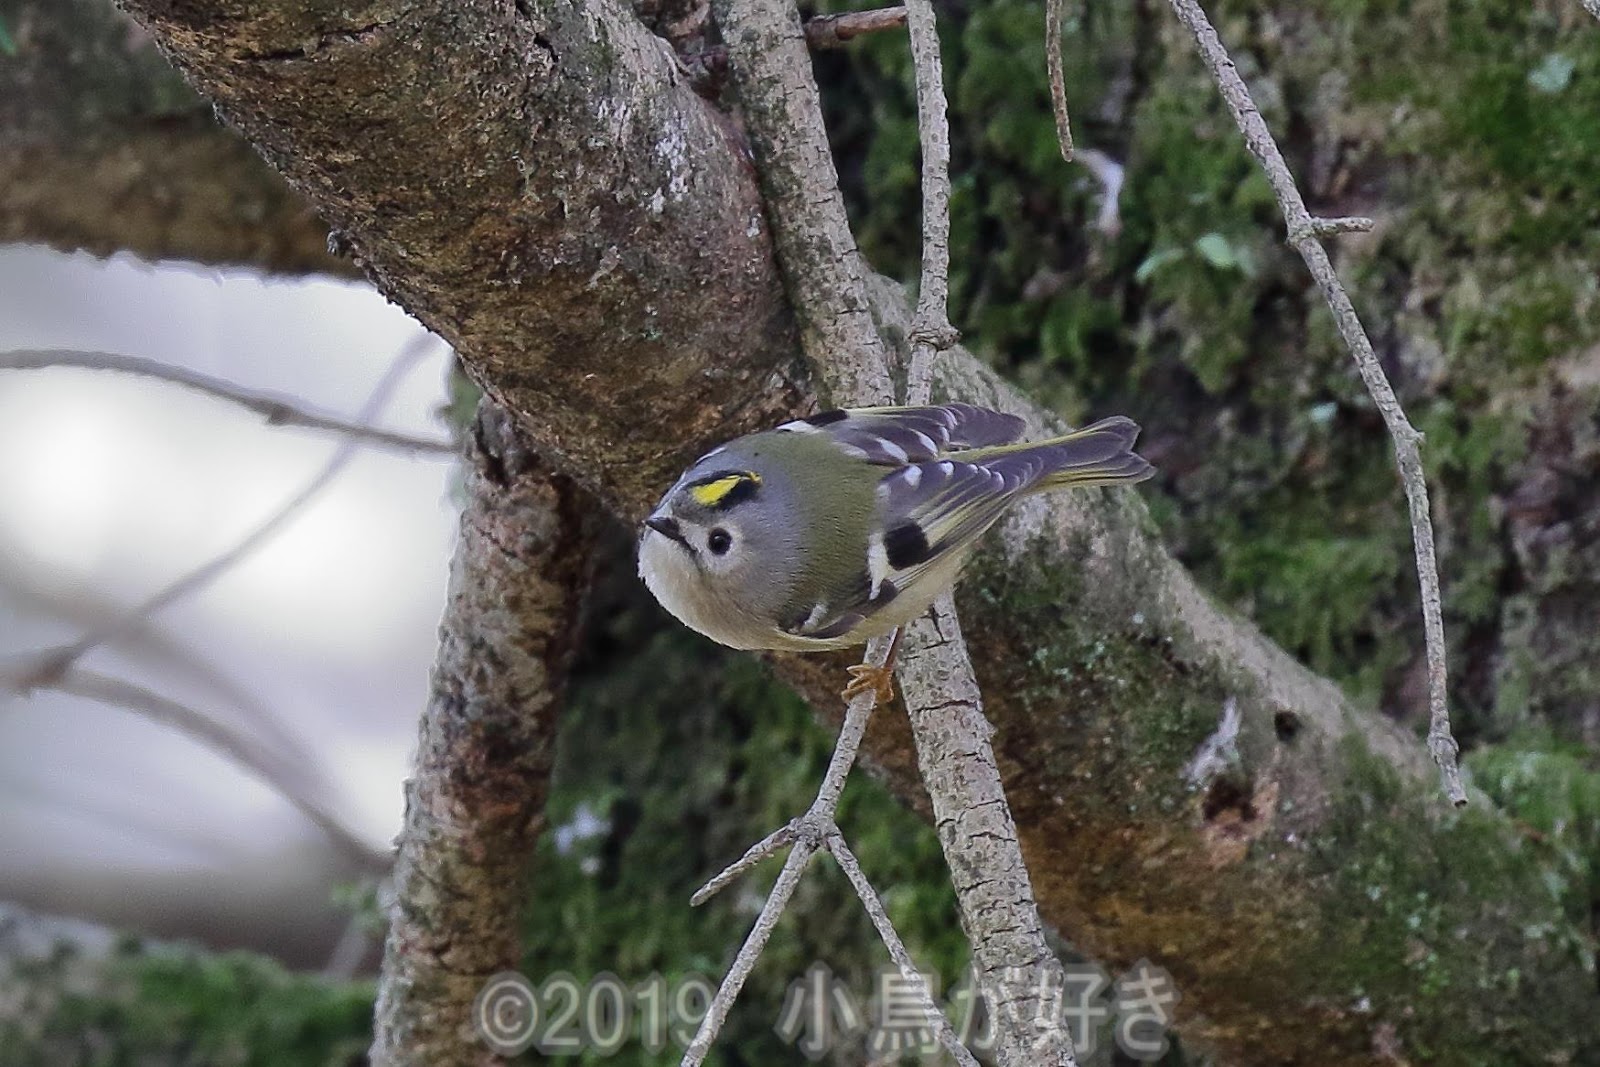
(113, 486)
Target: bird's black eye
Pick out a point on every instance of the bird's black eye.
(719, 541)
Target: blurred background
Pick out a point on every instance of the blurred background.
(113, 487)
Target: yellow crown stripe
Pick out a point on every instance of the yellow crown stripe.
(710, 494)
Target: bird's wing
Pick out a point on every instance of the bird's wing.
(927, 510)
(894, 437)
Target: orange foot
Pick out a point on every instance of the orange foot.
(868, 679)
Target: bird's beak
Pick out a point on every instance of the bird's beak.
(667, 528)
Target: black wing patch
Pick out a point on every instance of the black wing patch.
(906, 545)
(894, 437)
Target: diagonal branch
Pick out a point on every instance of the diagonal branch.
(779, 97)
(276, 410)
(1304, 233)
(1058, 81)
(295, 776)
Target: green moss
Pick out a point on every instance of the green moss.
(1421, 927)
(1106, 700)
(167, 1006)
(1466, 128)
(1553, 792)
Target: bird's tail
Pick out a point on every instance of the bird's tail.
(1099, 454)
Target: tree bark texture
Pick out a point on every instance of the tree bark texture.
(538, 183)
(103, 148)
(475, 801)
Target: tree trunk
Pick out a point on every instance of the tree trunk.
(475, 801)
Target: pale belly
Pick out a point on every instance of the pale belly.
(727, 624)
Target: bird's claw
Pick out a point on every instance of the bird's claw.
(865, 678)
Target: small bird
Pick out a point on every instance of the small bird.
(828, 531)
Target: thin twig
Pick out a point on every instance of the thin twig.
(777, 900)
(51, 663)
(832, 31)
(1304, 231)
(807, 833)
(931, 332)
(1058, 84)
(943, 700)
(292, 775)
(276, 410)
(897, 950)
(771, 845)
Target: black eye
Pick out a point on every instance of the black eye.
(719, 541)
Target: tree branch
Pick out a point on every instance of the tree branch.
(834, 31)
(1058, 81)
(475, 801)
(276, 410)
(659, 273)
(294, 775)
(1304, 234)
(945, 704)
(823, 271)
(777, 93)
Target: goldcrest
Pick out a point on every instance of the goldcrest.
(828, 531)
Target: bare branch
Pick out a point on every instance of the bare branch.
(783, 115)
(771, 845)
(957, 762)
(822, 268)
(50, 664)
(294, 776)
(832, 31)
(1321, 227)
(1304, 231)
(777, 900)
(808, 833)
(1058, 84)
(276, 410)
(897, 950)
(931, 332)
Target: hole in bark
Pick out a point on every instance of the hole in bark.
(1228, 794)
(1286, 724)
